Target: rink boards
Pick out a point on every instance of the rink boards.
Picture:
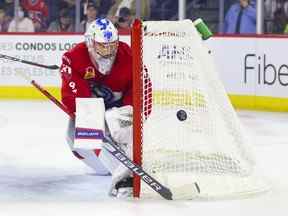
(253, 69)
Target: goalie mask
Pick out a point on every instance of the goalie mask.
(101, 40)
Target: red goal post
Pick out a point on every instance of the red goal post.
(136, 42)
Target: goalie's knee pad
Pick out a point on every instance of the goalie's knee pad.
(119, 123)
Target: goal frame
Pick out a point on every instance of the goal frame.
(234, 165)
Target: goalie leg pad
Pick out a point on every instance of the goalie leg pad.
(119, 124)
(89, 157)
(119, 172)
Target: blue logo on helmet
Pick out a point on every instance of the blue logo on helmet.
(103, 23)
(107, 35)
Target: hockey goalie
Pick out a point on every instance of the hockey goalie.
(100, 68)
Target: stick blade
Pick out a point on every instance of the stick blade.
(53, 67)
(166, 194)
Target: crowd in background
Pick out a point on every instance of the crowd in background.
(59, 15)
(276, 12)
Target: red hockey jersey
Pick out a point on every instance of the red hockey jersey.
(37, 9)
(81, 79)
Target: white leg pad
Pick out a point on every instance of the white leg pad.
(91, 159)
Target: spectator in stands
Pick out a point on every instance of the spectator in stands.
(91, 15)
(63, 24)
(279, 21)
(199, 3)
(8, 5)
(69, 5)
(113, 13)
(125, 19)
(270, 7)
(286, 26)
(38, 12)
(285, 6)
(241, 18)
(4, 20)
(104, 6)
(21, 22)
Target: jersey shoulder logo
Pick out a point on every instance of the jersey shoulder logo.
(90, 73)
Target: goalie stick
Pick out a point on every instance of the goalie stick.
(51, 67)
(112, 148)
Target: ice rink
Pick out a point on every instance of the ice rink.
(40, 176)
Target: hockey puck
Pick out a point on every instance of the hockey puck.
(181, 115)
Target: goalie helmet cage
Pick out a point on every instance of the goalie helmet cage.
(185, 130)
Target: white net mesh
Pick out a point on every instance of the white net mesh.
(192, 133)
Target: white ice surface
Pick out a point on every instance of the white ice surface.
(39, 175)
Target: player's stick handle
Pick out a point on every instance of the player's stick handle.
(53, 99)
(46, 93)
(51, 67)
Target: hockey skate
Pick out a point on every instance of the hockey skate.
(123, 189)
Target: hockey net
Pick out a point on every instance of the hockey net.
(186, 133)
